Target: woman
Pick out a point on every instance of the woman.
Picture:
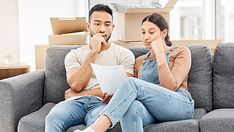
(160, 93)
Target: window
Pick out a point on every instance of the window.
(203, 19)
(192, 19)
(225, 20)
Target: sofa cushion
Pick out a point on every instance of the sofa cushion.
(200, 77)
(35, 122)
(198, 113)
(138, 51)
(220, 120)
(173, 126)
(223, 76)
(55, 74)
(178, 126)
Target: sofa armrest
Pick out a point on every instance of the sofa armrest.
(19, 96)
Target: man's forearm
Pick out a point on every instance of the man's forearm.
(79, 78)
(94, 92)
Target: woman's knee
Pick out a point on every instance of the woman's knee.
(136, 108)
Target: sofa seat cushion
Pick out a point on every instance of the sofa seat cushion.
(198, 113)
(174, 126)
(219, 120)
(35, 122)
(178, 126)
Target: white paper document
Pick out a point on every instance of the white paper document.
(109, 77)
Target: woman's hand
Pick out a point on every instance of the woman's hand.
(106, 97)
(157, 43)
(157, 46)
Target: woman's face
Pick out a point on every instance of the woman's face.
(150, 32)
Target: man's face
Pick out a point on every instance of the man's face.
(101, 22)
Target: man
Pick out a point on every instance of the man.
(84, 99)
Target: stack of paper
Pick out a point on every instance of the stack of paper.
(109, 77)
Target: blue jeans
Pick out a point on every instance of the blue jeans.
(65, 114)
(137, 103)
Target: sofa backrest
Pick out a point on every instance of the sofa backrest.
(223, 76)
(55, 74)
(200, 77)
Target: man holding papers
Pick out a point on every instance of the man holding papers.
(84, 97)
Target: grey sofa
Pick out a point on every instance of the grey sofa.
(26, 99)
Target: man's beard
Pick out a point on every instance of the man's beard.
(107, 39)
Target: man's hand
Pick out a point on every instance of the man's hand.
(70, 93)
(106, 98)
(96, 42)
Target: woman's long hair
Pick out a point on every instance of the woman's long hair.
(161, 22)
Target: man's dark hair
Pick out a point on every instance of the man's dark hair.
(100, 7)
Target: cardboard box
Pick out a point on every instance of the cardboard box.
(68, 31)
(40, 53)
(128, 22)
(68, 39)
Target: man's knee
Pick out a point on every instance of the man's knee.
(57, 114)
(53, 116)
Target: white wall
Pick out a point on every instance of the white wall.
(35, 22)
(9, 31)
